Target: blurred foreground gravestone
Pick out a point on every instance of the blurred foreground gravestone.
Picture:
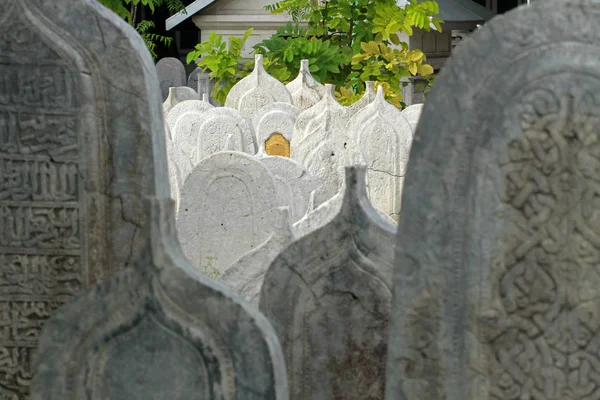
(84, 184)
(497, 285)
(328, 296)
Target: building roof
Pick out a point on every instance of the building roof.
(190, 11)
(451, 11)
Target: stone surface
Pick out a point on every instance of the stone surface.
(82, 166)
(274, 127)
(322, 144)
(367, 98)
(294, 183)
(184, 107)
(177, 95)
(171, 73)
(246, 275)
(256, 91)
(305, 90)
(70, 186)
(317, 218)
(227, 209)
(497, 282)
(412, 115)
(328, 297)
(384, 137)
(202, 84)
(224, 127)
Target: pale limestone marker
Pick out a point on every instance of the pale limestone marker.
(294, 183)
(384, 137)
(256, 91)
(497, 284)
(91, 198)
(367, 98)
(274, 127)
(328, 296)
(305, 90)
(184, 107)
(246, 275)
(224, 128)
(171, 73)
(227, 209)
(177, 95)
(322, 144)
(412, 115)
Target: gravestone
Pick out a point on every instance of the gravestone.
(246, 275)
(367, 98)
(227, 209)
(184, 107)
(274, 127)
(497, 283)
(412, 115)
(384, 137)
(323, 145)
(328, 297)
(294, 183)
(222, 128)
(201, 83)
(305, 90)
(83, 195)
(177, 95)
(171, 73)
(256, 91)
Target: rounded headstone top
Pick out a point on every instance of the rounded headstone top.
(177, 95)
(171, 73)
(305, 90)
(367, 98)
(257, 90)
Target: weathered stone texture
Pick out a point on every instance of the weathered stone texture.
(305, 90)
(171, 73)
(497, 282)
(256, 91)
(92, 198)
(177, 95)
(328, 296)
(227, 209)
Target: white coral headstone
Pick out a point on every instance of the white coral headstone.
(384, 138)
(246, 275)
(367, 98)
(177, 95)
(412, 115)
(227, 209)
(256, 91)
(305, 90)
(322, 144)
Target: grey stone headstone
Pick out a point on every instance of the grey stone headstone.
(328, 296)
(171, 73)
(178, 95)
(84, 193)
(496, 283)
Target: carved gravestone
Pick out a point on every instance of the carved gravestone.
(367, 98)
(294, 183)
(201, 83)
(177, 95)
(323, 145)
(383, 136)
(274, 127)
(497, 284)
(328, 296)
(171, 73)
(256, 91)
(412, 115)
(227, 209)
(305, 90)
(246, 275)
(83, 189)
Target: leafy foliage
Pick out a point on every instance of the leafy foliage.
(127, 9)
(347, 43)
(222, 59)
